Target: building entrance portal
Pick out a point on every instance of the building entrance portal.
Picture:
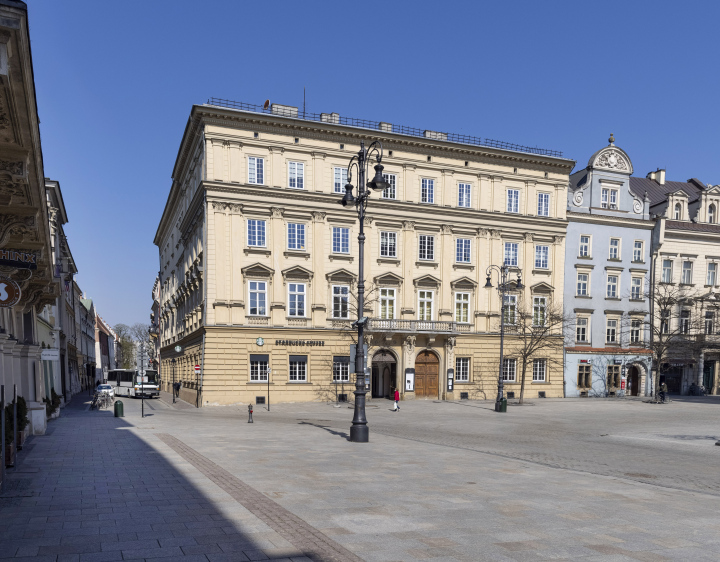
(427, 368)
(384, 373)
(634, 381)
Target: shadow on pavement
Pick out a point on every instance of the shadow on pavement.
(326, 428)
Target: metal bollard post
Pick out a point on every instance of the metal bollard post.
(2, 426)
(250, 413)
(15, 425)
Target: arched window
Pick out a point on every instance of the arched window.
(678, 211)
(711, 214)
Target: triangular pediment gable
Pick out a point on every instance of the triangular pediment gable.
(341, 276)
(427, 281)
(679, 193)
(463, 283)
(542, 287)
(257, 270)
(297, 272)
(388, 278)
(715, 190)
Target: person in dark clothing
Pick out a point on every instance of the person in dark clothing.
(663, 391)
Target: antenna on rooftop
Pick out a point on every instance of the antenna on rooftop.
(267, 104)
(303, 102)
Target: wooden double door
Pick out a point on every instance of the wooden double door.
(427, 369)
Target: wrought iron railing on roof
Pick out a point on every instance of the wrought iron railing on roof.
(334, 118)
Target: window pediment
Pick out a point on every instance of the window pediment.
(341, 275)
(463, 283)
(542, 287)
(427, 281)
(388, 279)
(297, 272)
(257, 270)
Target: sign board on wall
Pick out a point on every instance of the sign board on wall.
(9, 292)
(409, 380)
(50, 355)
(451, 376)
(18, 259)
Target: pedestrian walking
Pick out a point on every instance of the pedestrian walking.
(663, 391)
(397, 401)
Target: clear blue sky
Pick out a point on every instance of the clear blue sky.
(116, 80)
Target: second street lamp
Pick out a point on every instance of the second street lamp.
(359, 432)
(503, 272)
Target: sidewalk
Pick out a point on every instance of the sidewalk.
(167, 397)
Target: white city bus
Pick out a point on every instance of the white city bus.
(127, 382)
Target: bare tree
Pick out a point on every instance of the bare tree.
(675, 326)
(141, 334)
(535, 331)
(126, 346)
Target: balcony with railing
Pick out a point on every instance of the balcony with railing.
(411, 326)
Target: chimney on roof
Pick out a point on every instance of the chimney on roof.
(658, 176)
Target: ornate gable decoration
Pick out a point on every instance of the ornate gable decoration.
(613, 159)
(341, 276)
(427, 281)
(388, 279)
(257, 270)
(463, 283)
(297, 272)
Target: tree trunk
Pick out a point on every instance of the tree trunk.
(522, 381)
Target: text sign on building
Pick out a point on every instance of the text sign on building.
(50, 354)
(18, 259)
(312, 343)
(9, 292)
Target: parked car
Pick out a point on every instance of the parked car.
(106, 389)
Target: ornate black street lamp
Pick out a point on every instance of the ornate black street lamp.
(359, 432)
(503, 272)
(173, 385)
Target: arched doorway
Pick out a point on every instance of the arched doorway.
(384, 373)
(634, 381)
(427, 368)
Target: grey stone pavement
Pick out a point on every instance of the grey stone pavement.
(609, 480)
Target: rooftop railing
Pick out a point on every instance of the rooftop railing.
(334, 118)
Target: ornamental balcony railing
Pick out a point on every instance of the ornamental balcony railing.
(436, 326)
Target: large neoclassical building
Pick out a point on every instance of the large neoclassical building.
(259, 262)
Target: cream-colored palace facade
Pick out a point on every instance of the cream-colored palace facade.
(259, 262)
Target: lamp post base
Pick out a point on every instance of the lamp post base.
(359, 433)
(501, 406)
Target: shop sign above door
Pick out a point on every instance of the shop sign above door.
(18, 259)
(9, 292)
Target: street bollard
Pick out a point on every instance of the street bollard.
(250, 413)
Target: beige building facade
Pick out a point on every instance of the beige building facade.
(259, 262)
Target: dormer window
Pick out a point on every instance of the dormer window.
(678, 211)
(711, 214)
(609, 198)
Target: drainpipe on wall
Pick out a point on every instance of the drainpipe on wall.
(649, 386)
(205, 275)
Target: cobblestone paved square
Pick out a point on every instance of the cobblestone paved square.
(560, 479)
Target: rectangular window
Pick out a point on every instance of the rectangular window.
(389, 192)
(425, 305)
(584, 376)
(462, 250)
(296, 236)
(296, 175)
(584, 246)
(709, 322)
(255, 170)
(539, 368)
(638, 251)
(298, 368)
(259, 368)
(685, 322)
(539, 311)
(462, 369)
(462, 307)
(463, 195)
(612, 286)
(611, 331)
(664, 321)
(510, 309)
(581, 330)
(636, 288)
(341, 240)
(340, 175)
(427, 194)
(513, 201)
(341, 369)
(256, 232)
(582, 284)
(635, 331)
(614, 249)
(687, 272)
(387, 304)
(511, 254)
(296, 294)
(609, 198)
(341, 296)
(388, 244)
(543, 204)
(712, 274)
(542, 254)
(426, 251)
(613, 376)
(258, 298)
(509, 370)
(667, 271)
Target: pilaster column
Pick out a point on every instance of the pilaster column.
(409, 255)
(408, 374)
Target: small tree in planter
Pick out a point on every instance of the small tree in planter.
(52, 403)
(23, 420)
(9, 442)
